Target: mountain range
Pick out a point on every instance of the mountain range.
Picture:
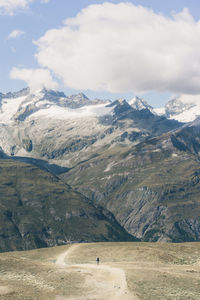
(81, 169)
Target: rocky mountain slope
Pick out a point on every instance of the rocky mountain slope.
(67, 130)
(38, 210)
(142, 167)
(185, 108)
(152, 188)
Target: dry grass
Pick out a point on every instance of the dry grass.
(153, 271)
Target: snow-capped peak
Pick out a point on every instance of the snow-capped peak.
(121, 101)
(139, 104)
(184, 108)
(177, 106)
(21, 105)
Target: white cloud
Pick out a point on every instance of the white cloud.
(124, 48)
(9, 7)
(187, 99)
(16, 33)
(35, 78)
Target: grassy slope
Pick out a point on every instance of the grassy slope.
(153, 271)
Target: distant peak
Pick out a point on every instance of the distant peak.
(136, 99)
(121, 101)
(82, 95)
(22, 92)
(53, 93)
(79, 96)
(139, 104)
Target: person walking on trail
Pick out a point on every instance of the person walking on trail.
(97, 260)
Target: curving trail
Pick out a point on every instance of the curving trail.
(104, 282)
(60, 261)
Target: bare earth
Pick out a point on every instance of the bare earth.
(104, 282)
(146, 271)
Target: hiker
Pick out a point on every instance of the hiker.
(97, 260)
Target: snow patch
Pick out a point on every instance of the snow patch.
(188, 115)
(63, 113)
(159, 111)
(42, 103)
(9, 108)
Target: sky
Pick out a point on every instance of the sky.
(113, 49)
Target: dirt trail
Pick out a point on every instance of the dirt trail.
(63, 256)
(103, 282)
